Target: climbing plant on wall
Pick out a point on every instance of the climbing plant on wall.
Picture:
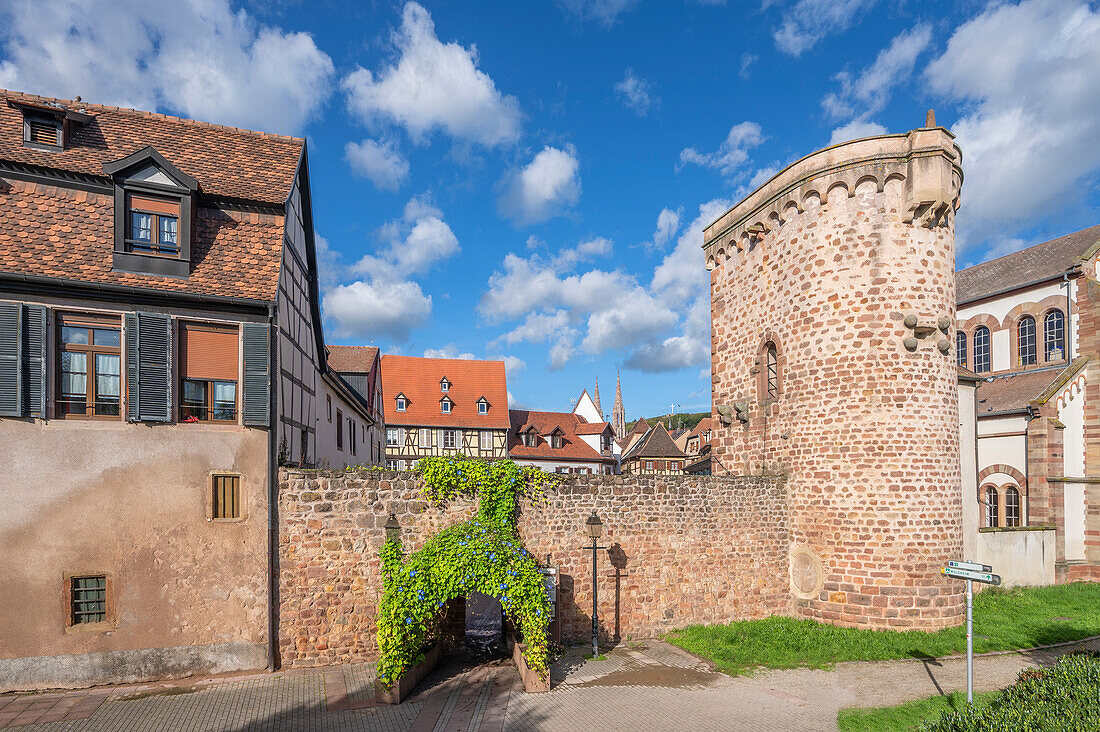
(483, 555)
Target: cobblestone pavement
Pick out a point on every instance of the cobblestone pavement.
(637, 686)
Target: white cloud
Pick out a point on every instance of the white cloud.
(1028, 74)
(747, 61)
(434, 85)
(732, 155)
(329, 263)
(682, 274)
(448, 351)
(588, 249)
(372, 309)
(546, 187)
(855, 130)
(668, 223)
(863, 96)
(385, 302)
(197, 59)
(808, 21)
(381, 162)
(690, 348)
(512, 364)
(636, 93)
(762, 175)
(604, 12)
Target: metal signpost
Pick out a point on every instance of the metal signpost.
(971, 572)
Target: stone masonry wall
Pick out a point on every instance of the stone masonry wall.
(865, 429)
(686, 549)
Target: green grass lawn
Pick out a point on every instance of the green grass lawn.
(906, 716)
(1003, 620)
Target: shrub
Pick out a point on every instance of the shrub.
(1065, 697)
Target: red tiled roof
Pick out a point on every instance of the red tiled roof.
(1013, 392)
(352, 359)
(573, 447)
(418, 380)
(1042, 261)
(656, 443)
(65, 233)
(706, 423)
(592, 428)
(226, 161)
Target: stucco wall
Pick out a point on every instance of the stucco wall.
(129, 501)
(1019, 556)
(688, 549)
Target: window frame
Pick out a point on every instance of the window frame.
(1027, 345)
(154, 247)
(1057, 333)
(109, 617)
(396, 437)
(237, 496)
(990, 498)
(452, 437)
(556, 441)
(1010, 509)
(482, 406)
(30, 119)
(209, 402)
(445, 406)
(328, 401)
(960, 349)
(771, 372)
(89, 322)
(339, 429)
(444, 385)
(401, 403)
(481, 440)
(982, 349)
(424, 438)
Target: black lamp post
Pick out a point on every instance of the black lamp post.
(595, 529)
(393, 528)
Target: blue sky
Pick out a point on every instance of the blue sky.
(528, 180)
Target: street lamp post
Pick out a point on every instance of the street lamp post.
(595, 529)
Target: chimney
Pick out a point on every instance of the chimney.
(930, 118)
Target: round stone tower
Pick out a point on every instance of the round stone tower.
(833, 300)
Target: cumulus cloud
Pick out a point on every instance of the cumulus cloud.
(682, 274)
(448, 351)
(198, 59)
(636, 93)
(380, 162)
(855, 130)
(544, 188)
(385, 302)
(377, 309)
(732, 155)
(668, 223)
(689, 348)
(434, 86)
(512, 364)
(806, 22)
(1027, 73)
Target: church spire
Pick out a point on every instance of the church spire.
(618, 416)
(596, 398)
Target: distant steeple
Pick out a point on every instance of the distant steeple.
(618, 416)
(596, 398)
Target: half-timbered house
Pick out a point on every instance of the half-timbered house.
(443, 406)
(160, 353)
(561, 442)
(654, 453)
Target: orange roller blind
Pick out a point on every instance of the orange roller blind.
(209, 353)
(155, 205)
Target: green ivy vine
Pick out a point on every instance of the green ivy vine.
(483, 555)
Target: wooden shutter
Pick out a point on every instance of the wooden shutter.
(257, 375)
(208, 353)
(10, 362)
(34, 361)
(149, 367)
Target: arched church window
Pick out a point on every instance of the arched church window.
(992, 508)
(1012, 506)
(1025, 340)
(960, 348)
(1054, 336)
(981, 350)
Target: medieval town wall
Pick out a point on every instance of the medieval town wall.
(838, 261)
(685, 549)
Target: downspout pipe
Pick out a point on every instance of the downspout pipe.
(272, 496)
(1069, 318)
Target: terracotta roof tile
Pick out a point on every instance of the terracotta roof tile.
(656, 443)
(352, 359)
(573, 447)
(226, 161)
(592, 428)
(1013, 392)
(418, 380)
(1042, 261)
(64, 233)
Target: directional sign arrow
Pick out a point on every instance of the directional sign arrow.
(984, 577)
(970, 566)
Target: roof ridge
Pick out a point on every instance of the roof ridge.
(1027, 248)
(156, 115)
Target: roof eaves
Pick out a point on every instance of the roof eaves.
(1062, 379)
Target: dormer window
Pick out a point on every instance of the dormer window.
(555, 440)
(402, 403)
(445, 405)
(444, 385)
(530, 438)
(482, 406)
(153, 203)
(41, 131)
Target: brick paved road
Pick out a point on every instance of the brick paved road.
(650, 686)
